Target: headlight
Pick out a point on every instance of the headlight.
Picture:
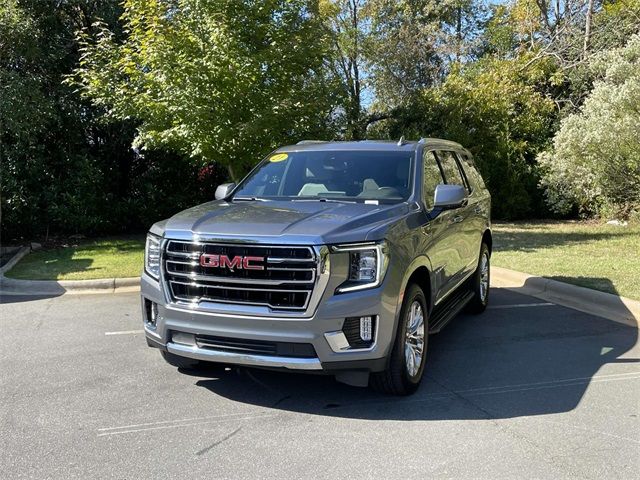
(152, 256)
(367, 266)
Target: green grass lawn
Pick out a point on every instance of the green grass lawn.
(589, 254)
(105, 258)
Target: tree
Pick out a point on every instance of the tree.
(594, 165)
(412, 45)
(219, 81)
(496, 109)
(49, 139)
(345, 21)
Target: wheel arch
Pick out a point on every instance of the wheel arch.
(487, 237)
(419, 272)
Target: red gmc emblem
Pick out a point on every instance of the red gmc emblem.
(236, 263)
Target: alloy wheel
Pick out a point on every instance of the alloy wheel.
(414, 339)
(484, 276)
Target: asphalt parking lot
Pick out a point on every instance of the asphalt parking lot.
(525, 390)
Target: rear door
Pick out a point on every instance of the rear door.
(479, 205)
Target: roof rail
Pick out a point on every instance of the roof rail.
(422, 140)
(304, 142)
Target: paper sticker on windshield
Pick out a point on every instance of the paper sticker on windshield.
(278, 157)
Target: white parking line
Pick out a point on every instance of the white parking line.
(521, 305)
(125, 332)
(194, 422)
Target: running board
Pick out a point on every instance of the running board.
(447, 310)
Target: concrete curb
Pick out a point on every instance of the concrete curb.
(15, 259)
(612, 307)
(12, 286)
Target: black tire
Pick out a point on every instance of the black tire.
(179, 362)
(396, 379)
(480, 299)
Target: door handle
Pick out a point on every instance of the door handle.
(457, 219)
(478, 209)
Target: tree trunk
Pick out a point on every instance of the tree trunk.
(459, 34)
(232, 176)
(587, 29)
(356, 101)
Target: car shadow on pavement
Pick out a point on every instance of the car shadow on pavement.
(507, 362)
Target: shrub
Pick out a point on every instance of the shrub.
(594, 165)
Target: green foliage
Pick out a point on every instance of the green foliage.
(495, 110)
(410, 45)
(63, 168)
(204, 86)
(218, 81)
(594, 165)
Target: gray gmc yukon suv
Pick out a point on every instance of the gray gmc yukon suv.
(329, 257)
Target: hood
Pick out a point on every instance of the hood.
(299, 222)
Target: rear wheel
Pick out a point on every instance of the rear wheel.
(406, 365)
(179, 362)
(479, 282)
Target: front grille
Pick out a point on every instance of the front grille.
(285, 282)
(256, 347)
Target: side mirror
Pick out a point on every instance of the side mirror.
(224, 190)
(449, 196)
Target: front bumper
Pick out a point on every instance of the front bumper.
(253, 360)
(318, 330)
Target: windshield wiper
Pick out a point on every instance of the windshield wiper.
(249, 199)
(323, 199)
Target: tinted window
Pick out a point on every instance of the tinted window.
(432, 177)
(450, 169)
(471, 171)
(360, 175)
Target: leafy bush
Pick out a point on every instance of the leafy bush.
(594, 165)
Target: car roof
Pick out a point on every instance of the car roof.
(364, 145)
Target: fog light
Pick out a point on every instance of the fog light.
(366, 328)
(183, 338)
(152, 312)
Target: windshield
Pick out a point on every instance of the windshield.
(359, 175)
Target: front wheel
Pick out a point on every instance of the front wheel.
(406, 365)
(479, 282)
